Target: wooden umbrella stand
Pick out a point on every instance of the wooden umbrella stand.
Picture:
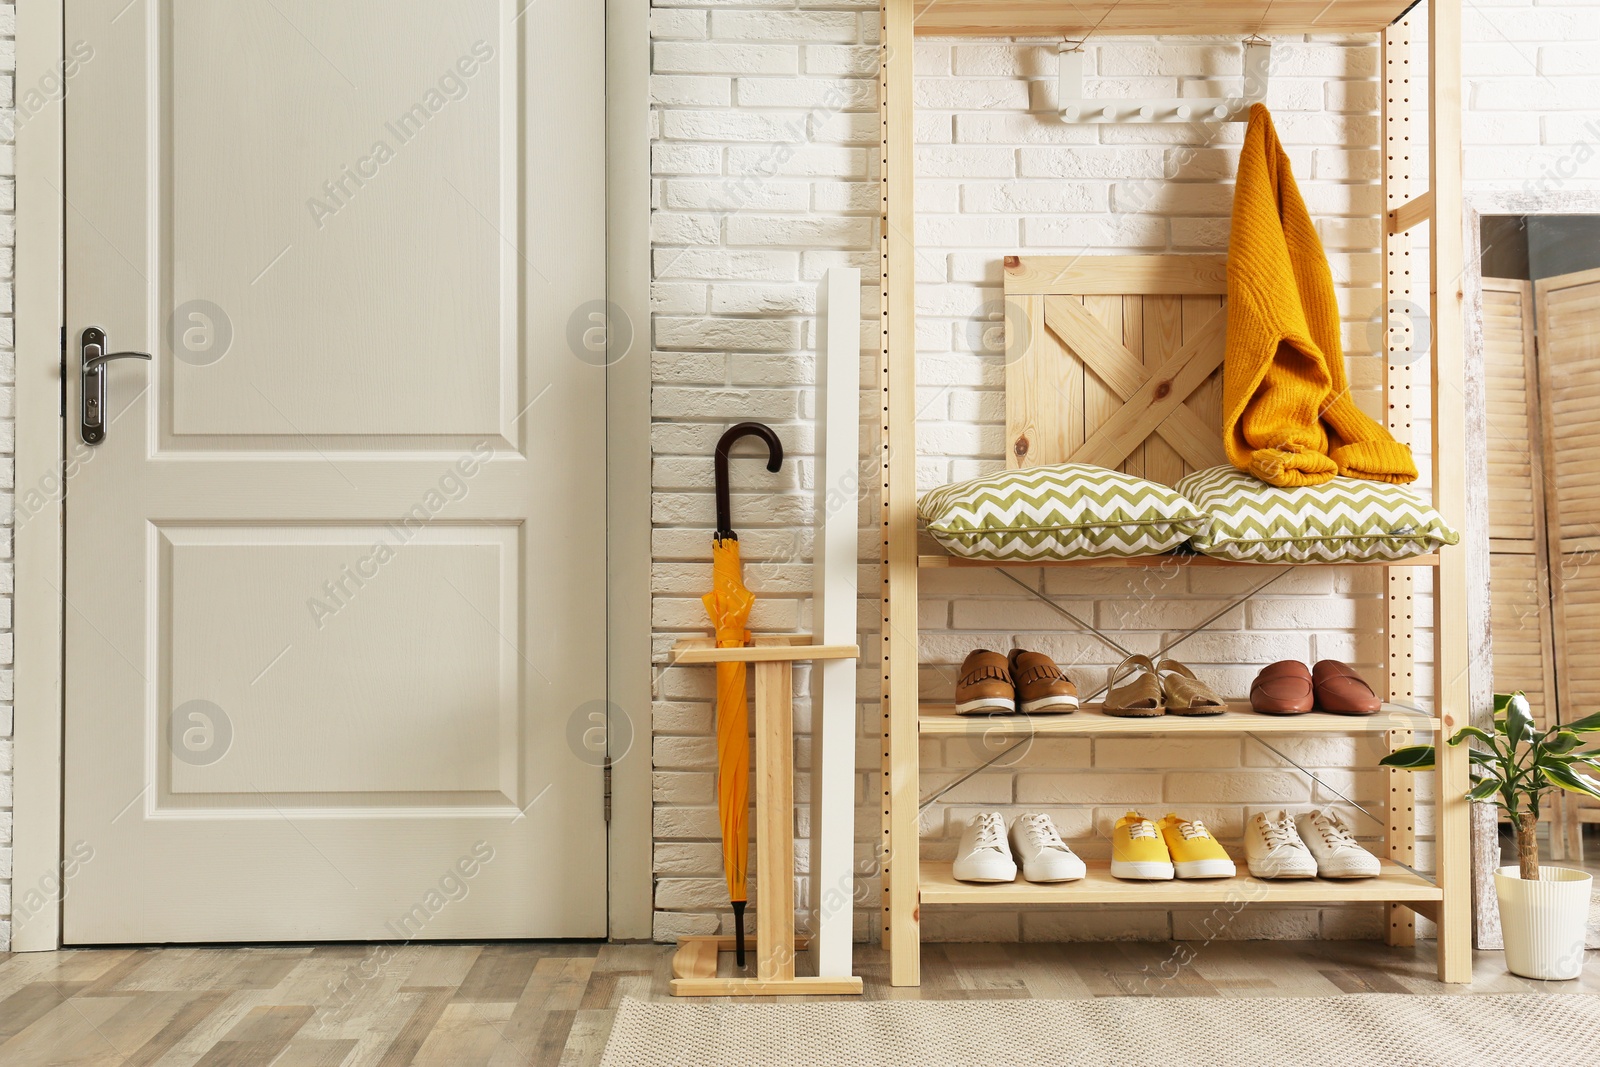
(694, 965)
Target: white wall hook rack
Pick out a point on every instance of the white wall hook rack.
(1075, 107)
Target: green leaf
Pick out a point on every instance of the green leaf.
(1485, 789)
(1519, 720)
(1562, 742)
(1471, 731)
(1586, 725)
(1479, 774)
(1482, 758)
(1571, 762)
(1571, 780)
(1410, 758)
(1500, 702)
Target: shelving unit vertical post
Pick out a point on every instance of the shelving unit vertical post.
(1400, 335)
(909, 884)
(898, 452)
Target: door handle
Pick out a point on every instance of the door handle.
(92, 394)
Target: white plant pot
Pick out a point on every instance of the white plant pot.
(1544, 922)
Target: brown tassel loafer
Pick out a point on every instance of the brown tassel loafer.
(1341, 691)
(984, 686)
(1042, 687)
(1283, 688)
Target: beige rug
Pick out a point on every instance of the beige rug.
(1369, 1030)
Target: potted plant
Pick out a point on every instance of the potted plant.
(1543, 910)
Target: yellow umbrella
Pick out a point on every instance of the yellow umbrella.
(728, 604)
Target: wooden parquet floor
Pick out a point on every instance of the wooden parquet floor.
(552, 1002)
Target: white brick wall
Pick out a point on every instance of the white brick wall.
(997, 174)
(765, 161)
(1533, 97)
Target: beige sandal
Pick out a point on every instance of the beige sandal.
(1184, 694)
(1141, 697)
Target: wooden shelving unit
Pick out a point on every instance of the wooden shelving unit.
(941, 720)
(1190, 283)
(1393, 884)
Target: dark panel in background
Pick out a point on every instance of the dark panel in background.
(1562, 244)
(1505, 247)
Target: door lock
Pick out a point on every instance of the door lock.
(92, 394)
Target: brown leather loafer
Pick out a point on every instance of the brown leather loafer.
(984, 686)
(1042, 687)
(1283, 688)
(1341, 691)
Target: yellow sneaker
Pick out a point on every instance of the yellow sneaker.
(1137, 850)
(1195, 853)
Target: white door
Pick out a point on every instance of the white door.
(335, 576)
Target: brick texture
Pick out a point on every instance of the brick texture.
(997, 174)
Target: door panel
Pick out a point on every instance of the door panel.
(330, 609)
(443, 731)
(414, 156)
(1521, 623)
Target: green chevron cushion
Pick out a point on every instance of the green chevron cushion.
(1346, 520)
(1060, 512)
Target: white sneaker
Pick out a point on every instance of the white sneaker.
(1274, 849)
(1334, 847)
(1045, 857)
(983, 855)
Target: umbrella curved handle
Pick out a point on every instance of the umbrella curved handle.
(724, 446)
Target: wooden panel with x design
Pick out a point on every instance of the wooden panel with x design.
(1149, 332)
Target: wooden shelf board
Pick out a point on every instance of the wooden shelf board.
(766, 649)
(804, 986)
(1395, 884)
(1109, 18)
(1167, 559)
(694, 974)
(942, 720)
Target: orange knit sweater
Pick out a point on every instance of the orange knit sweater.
(1287, 413)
